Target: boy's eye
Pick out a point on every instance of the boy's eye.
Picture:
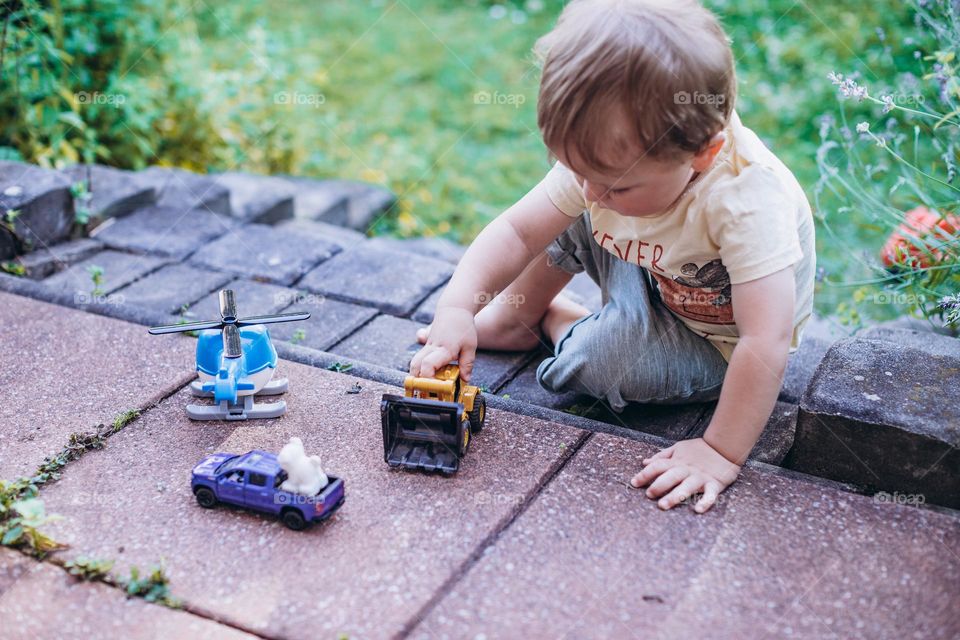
(617, 191)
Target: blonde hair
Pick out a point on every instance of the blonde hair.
(663, 67)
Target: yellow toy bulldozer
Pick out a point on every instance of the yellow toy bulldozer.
(431, 425)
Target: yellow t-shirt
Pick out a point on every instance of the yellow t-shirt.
(744, 218)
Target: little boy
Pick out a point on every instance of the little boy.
(701, 240)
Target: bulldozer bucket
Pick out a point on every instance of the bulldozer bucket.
(420, 433)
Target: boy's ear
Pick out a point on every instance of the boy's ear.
(703, 160)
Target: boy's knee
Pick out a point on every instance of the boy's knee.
(594, 362)
(619, 366)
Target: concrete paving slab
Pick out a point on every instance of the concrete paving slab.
(172, 287)
(40, 600)
(330, 322)
(524, 387)
(253, 299)
(344, 237)
(165, 230)
(393, 281)
(435, 247)
(67, 371)
(426, 310)
(118, 270)
(265, 253)
(776, 557)
(391, 342)
(399, 536)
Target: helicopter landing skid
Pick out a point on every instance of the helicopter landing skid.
(272, 388)
(226, 410)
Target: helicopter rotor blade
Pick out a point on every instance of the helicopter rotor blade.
(228, 306)
(232, 347)
(273, 319)
(189, 326)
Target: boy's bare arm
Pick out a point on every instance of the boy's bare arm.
(492, 261)
(763, 311)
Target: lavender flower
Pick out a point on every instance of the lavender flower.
(848, 87)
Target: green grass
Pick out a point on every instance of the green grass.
(388, 92)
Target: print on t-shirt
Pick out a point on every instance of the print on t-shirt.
(701, 293)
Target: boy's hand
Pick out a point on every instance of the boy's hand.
(453, 336)
(688, 467)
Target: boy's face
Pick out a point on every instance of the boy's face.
(646, 188)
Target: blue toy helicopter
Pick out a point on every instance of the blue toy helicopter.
(235, 361)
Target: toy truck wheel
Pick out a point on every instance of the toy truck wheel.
(478, 414)
(293, 519)
(205, 498)
(466, 437)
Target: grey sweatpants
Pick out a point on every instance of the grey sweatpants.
(632, 350)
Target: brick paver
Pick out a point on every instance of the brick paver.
(39, 600)
(66, 371)
(776, 557)
(397, 539)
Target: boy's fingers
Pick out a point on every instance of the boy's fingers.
(711, 491)
(438, 358)
(681, 492)
(649, 472)
(415, 361)
(466, 364)
(663, 453)
(667, 480)
(423, 334)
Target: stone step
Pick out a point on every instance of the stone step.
(44, 206)
(40, 263)
(371, 274)
(347, 203)
(165, 231)
(883, 415)
(115, 192)
(253, 198)
(439, 248)
(171, 288)
(391, 342)
(343, 237)
(117, 269)
(818, 335)
(270, 254)
(184, 190)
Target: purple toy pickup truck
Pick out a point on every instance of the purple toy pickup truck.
(253, 479)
